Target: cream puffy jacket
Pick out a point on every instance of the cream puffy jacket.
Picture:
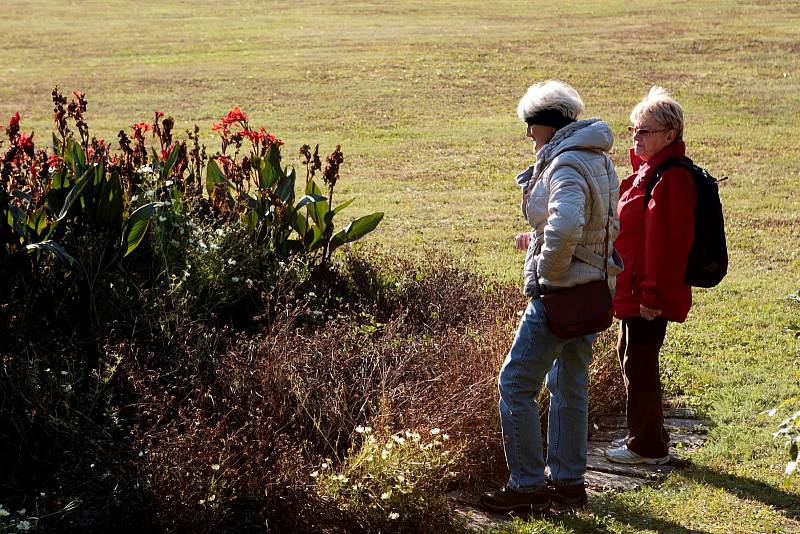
(569, 197)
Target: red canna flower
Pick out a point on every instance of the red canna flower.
(141, 127)
(233, 116)
(26, 143)
(236, 115)
(54, 161)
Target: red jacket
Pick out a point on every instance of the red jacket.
(654, 243)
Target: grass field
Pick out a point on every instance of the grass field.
(422, 98)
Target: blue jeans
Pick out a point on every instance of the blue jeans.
(538, 353)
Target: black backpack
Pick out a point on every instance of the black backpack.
(708, 259)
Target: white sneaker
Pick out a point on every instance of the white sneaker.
(623, 455)
(619, 442)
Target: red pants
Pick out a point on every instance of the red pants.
(639, 343)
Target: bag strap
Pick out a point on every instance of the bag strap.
(681, 161)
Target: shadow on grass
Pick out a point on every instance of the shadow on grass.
(747, 488)
(637, 520)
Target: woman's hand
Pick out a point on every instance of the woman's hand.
(523, 240)
(648, 313)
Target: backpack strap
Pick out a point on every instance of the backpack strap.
(684, 162)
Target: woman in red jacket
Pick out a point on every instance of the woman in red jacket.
(654, 242)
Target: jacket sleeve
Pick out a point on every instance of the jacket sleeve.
(669, 233)
(565, 221)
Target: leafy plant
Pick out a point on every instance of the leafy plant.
(388, 483)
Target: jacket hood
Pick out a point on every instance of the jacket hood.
(589, 134)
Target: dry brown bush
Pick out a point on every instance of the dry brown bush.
(235, 432)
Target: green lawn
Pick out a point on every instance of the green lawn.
(422, 97)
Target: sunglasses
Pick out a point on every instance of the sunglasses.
(642, 132)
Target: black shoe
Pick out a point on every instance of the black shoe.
(572, 495)
(506, 501)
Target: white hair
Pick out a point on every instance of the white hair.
(659, 105)
(552, 94)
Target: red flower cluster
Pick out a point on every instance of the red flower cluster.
(234, 115)
(54, 161)
(140, 128)
(260, 136)
(14, 120)
(25, 143)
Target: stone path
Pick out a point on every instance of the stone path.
(686, 431)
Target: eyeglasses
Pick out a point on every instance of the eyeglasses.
(642, 132)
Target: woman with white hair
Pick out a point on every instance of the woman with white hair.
(657, 211)
(569, 197)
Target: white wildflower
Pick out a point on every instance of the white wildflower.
(24, 525)
(314, 474)
(161, 218)
(220, 232)
(214, 246)
(401, 478)
(434, 431)
(231, 261)
(394, 515)
(3, 512)
(150, 193)
(367, 429)
(145, 169)
(386, 494)
(399, 440)
(384, 454)
(317, 313)
(360, 429)
(67, 388)
(168, 183)
(63, 373)
(215, 467)
(235, 279)
(445, 437)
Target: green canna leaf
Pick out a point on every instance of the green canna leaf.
(74, 194)
(285, 188)
(138, 223)
(356, 230)
(342, 206)
(309, 199)
(55, 249)
(214, 176)
(170, 162)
